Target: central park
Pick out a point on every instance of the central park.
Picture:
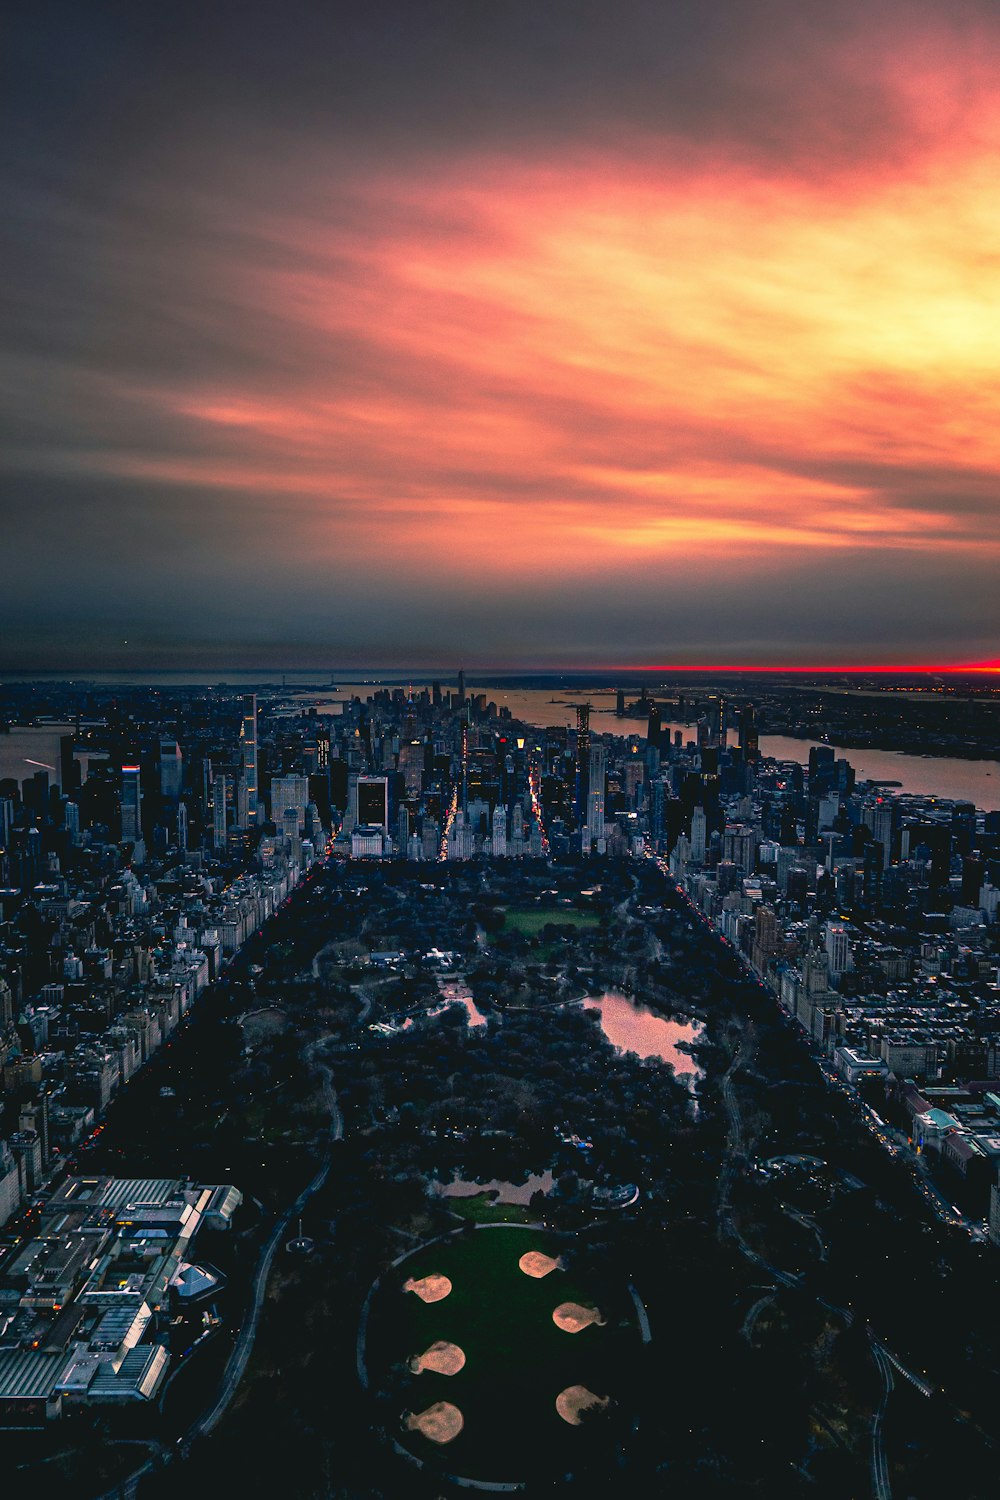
(404, 1060)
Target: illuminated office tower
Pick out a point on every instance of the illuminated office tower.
(131, 805)
(220, 789)
(182, 827)
(248, 737)
(582, 759)
(598, 769)
(242, 803)
(465, 764)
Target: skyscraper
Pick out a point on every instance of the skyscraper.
(465, 764)
(71, 822)
(582, 759)
(699, 835)
(749, 741)
(595, 794)
(373, 800)
(290, 791)
(220, 788)
(499, 833)
(838, 948)
(171, 770)
(131, 805)
(248, 736)
(721, 731)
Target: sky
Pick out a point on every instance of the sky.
(559, 334)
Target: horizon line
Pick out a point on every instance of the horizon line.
(608, 669)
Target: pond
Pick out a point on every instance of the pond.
(454, 994)
(631, 1027)
(507, 1192)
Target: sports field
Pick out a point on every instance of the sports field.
(518, 1357)
(531, 921)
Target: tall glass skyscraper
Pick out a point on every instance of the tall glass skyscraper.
(248, 737)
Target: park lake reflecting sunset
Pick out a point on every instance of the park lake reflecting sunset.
(631, 1027)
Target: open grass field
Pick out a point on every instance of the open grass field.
(531, 921)
(517, 1360)
(482, 1208)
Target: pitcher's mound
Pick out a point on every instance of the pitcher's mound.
(534, 1263)
(576, 1399)
(429, 1288)
(443, 1358)
(571, 1317)
(440, 1422)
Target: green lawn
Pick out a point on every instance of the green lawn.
(517, 1359)
(482, 1208)
(531, 921)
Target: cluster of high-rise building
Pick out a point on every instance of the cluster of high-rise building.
(871, 914)
(130, 874)
(174, 827)
(448, 775)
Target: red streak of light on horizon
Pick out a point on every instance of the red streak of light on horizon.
(857, 669)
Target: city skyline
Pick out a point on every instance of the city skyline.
(582, 339)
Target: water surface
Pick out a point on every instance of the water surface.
(631, 1027)
(507, 1192)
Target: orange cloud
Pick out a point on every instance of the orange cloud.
(583, 364)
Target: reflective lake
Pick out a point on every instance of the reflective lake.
(507, 1192)
(631, 1027)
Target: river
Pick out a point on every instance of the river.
(35, 748)
(976, 781)
(943, 776)
(949, 778)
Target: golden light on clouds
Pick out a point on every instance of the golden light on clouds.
(658, 361)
